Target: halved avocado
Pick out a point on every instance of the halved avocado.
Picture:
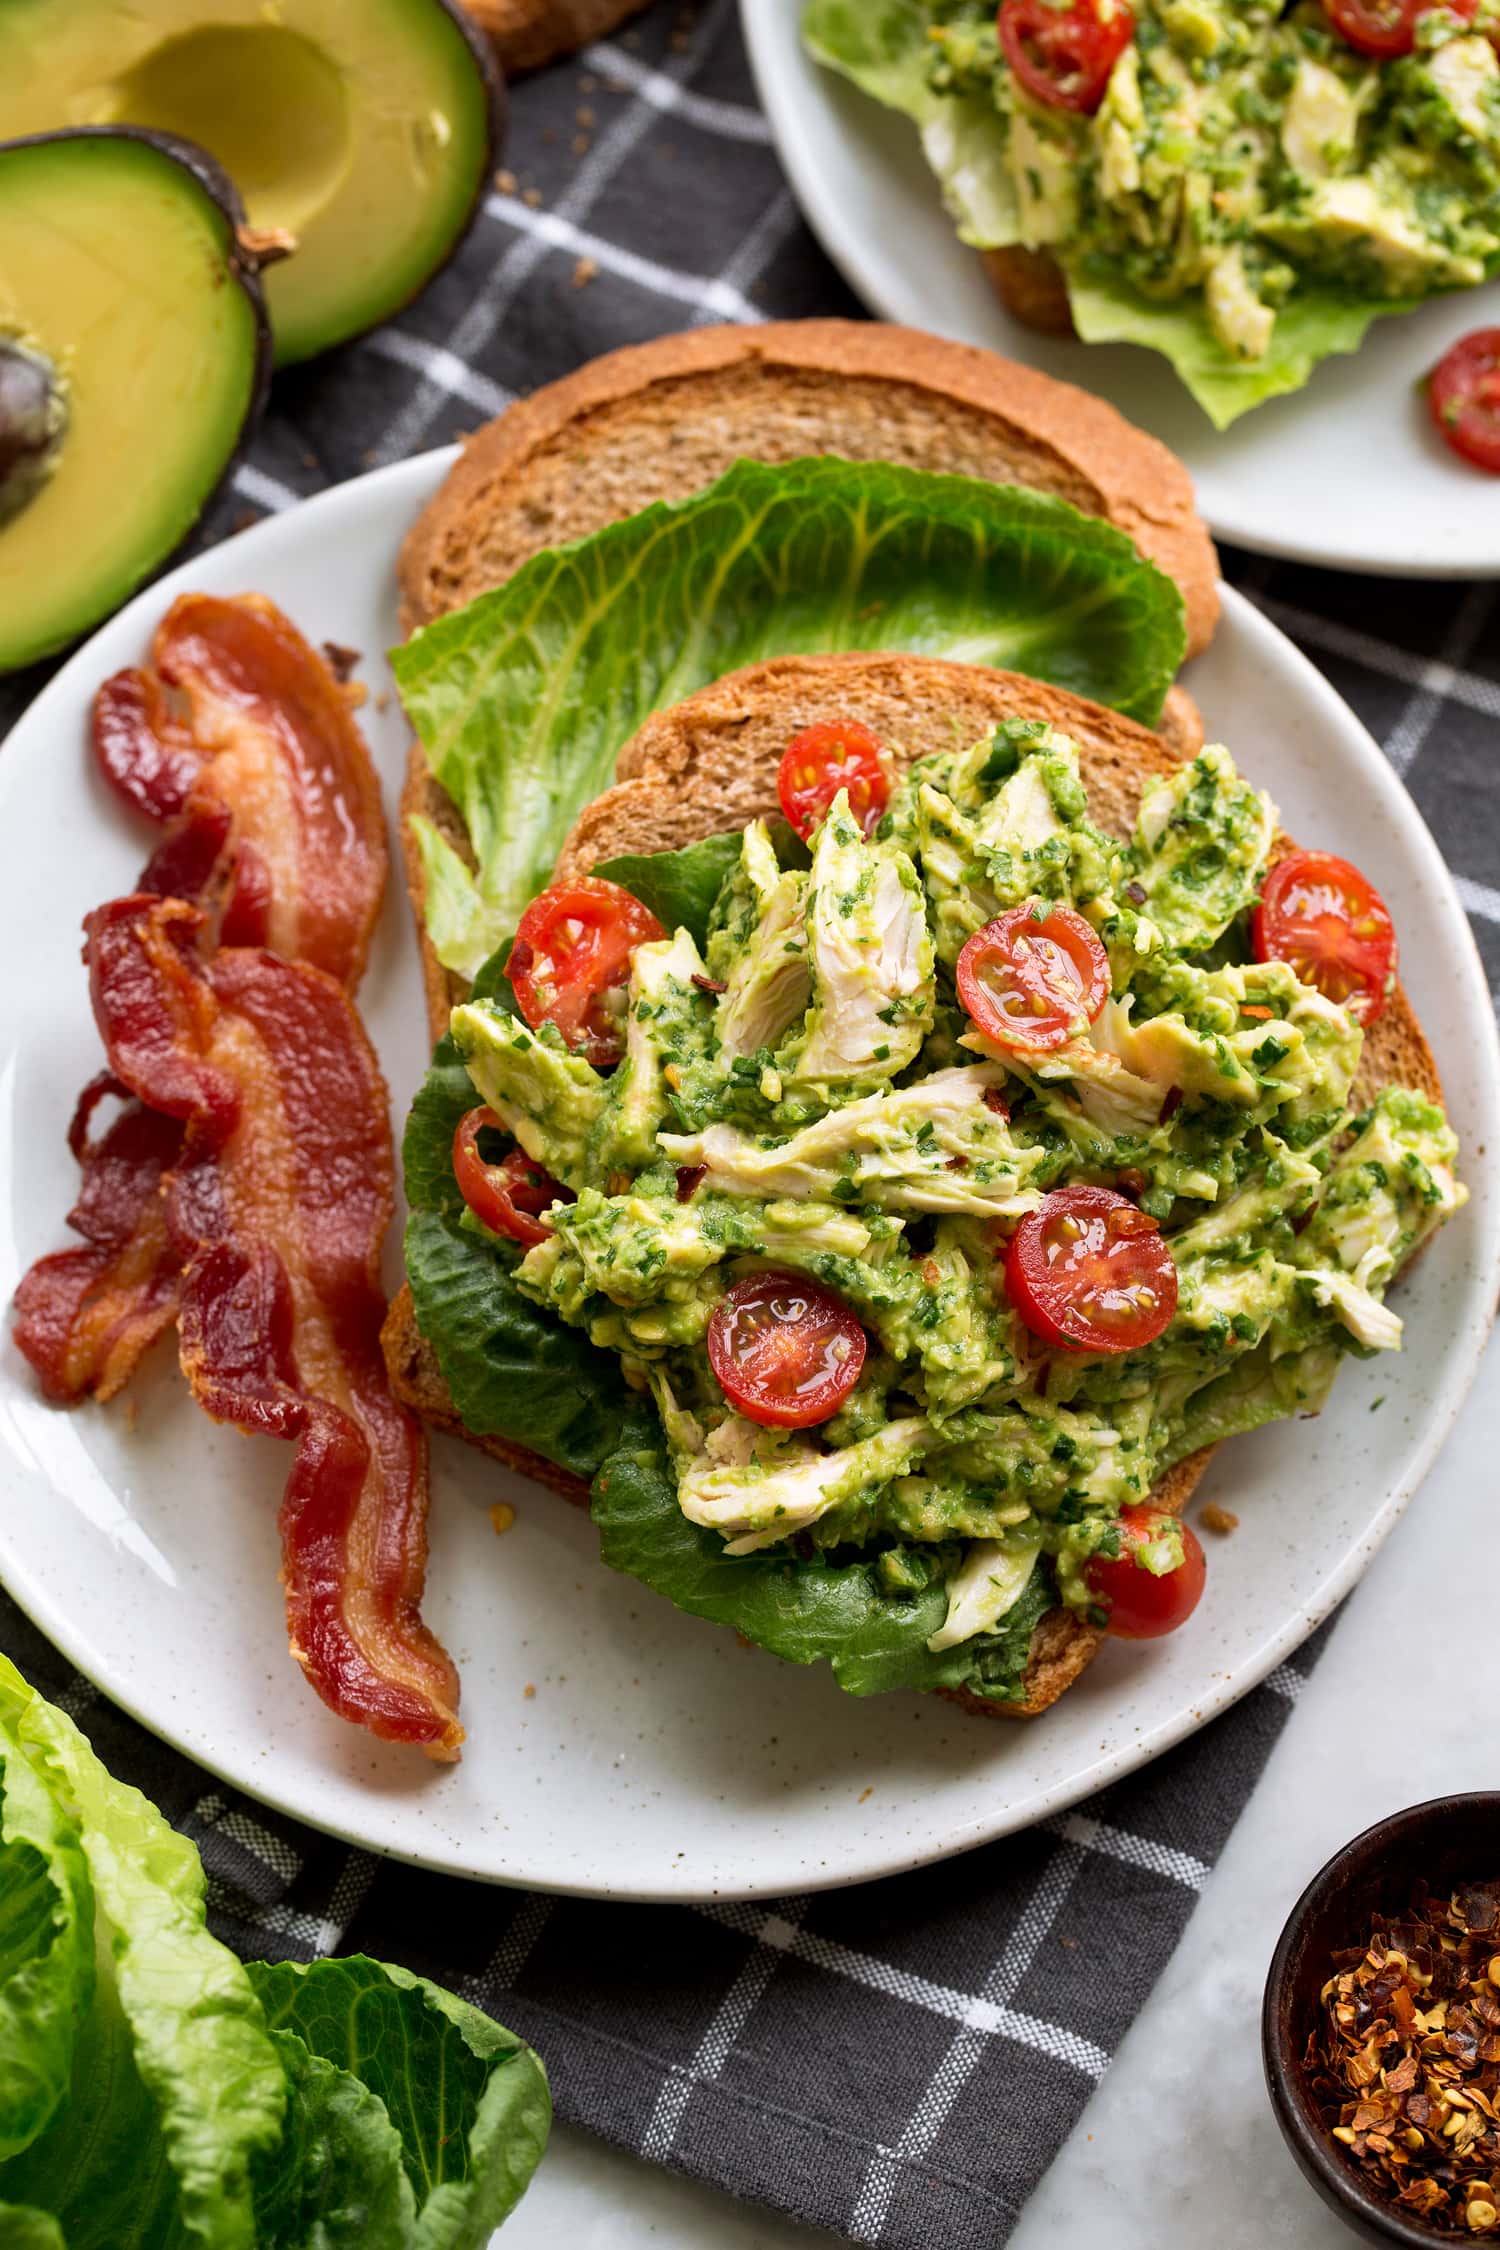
(135, 354)
(363, 128)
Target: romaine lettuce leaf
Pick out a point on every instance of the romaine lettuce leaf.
(801, 1611)
(524, 699)
(161, 2095)
(29, 2229)
(175, 2036)
(46, 1949)
(679, 888)
(513, 1370)
(467, 2101)
(1311, 326)
(882, 45)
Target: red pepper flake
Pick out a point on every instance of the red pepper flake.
(1170, 1106)
(690, 1177)
(995, 1100)
(712, 984)
(1404, 2065)
(1253, 1008)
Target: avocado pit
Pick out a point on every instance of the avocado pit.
(33, 424)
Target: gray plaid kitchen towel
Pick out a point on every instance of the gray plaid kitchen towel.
(897, 2063)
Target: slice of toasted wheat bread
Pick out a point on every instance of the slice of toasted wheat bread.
(662, 420)
(527, 33)
(710, 764)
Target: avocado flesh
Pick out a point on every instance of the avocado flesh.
(118, 273)
(361, 126)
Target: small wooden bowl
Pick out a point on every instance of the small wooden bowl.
(1446, 1841)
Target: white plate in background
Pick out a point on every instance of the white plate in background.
(1347, 472)
(656, 1758)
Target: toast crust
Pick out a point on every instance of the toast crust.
(1030, 285)
(710, 764)
(661, 420)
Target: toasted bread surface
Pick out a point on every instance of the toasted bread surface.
(1030, 284)
(662, 420)
(527, 33)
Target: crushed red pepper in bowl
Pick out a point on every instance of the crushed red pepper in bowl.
(1403, 2063)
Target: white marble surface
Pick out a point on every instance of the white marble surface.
(1178, 2146)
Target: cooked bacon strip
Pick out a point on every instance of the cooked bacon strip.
(278, 1209)
(241, 743)
(85, 1316)
(239, 713)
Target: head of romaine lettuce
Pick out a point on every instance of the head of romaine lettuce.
(158, 2094)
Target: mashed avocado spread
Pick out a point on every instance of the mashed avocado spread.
(807, 1095)
(1247, 183)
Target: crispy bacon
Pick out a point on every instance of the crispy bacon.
(85, 1316)
(242, 746)
(277, 1210)
(242, 722)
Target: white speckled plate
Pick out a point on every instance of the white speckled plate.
(655, 1757)
(1347, 472)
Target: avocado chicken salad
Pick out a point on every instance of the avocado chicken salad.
(961, 1172)
(1241, 185)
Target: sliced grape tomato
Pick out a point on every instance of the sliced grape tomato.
(570, 963)
(1143, 1599)
(1328, 922)
(1091, 1272)
(786, 1351)
(509, 1193)
(833, 754)
(1034, 977)
(1064, 55)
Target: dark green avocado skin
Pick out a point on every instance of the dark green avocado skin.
(242, 268)
(498, 98)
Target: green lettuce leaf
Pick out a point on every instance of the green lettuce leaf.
(174, 2040)
(337, 2181)
(46, 1949)
(1311, 326)
(466, 2101)
(172, 2098)
(678, 887)
(524, 699)
(882, 45)
(801, 1611)
(513, 1370)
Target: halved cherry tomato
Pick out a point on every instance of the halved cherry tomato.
(1463, 391)
(1331, 925)
(787, 1353)
(510, 1197)
(571, 960)
(1089, 1272)
(1142, 1603)
(1063, 55)
(1034, 977)
(1383, 28)
(834, 754)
